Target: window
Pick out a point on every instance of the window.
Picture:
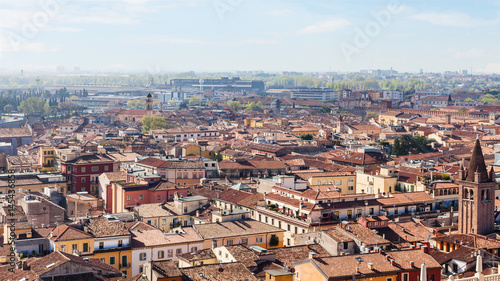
(75, 247)
(142, 256)
(163, 221)
(120, 243)
(339, 182)
(124, 261)
(101, 245)
(86, 247)
(244, 241)
(170, 253)
(178, 251)
(106, 168)
(214, 243)
(112, 260)
(83, 179)
(258, 239)
(129, 198)
(346, 245)
(83, 169)
(388, 279)
(158, 197)
(372, 211)
(405, 276)
(194, 249)
(431, 277)
(141, 197)
(95, 168)
(349, 214)
(297, 275)
(229, 242)
(149, 222)
(288, 227)
(161, 254)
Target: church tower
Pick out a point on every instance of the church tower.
(477, 189)
(149, 105)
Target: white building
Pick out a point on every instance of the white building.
(154, 244)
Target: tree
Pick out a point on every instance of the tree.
(325, 109)
(370, 115)
(8, 108)
(462, 110)
(396, 148)
(34, 105)
(259, 104)
(137, 104)
(68, 107)
(406, 144)
(153, 123)
(306, 137)
(234, 106)
(195, 100)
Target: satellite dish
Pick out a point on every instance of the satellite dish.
(221, 269)
(292, 270)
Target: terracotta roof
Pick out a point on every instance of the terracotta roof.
(203, 254)
(244, 255)
(234, 228)
(406, 198)
(102, 227)
(231, 271)
(289, 255)
(154, 237)
(344, 266)
(365, 235)
(68, 233)
(156, 210)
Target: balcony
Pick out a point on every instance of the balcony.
(124, 265)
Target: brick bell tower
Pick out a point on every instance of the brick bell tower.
(476, 205)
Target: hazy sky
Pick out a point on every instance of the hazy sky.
(268, 35)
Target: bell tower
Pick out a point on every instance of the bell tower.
(149, 105)
(476, 206)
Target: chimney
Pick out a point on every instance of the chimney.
(412, 264)
(370, 266)
(393, 262)
(311, 255)
(357, 269)
(197, 213)
(425, 249)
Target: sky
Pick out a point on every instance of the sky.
(250, 35)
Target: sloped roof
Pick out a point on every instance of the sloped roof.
(477, 165)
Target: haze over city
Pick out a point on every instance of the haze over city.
(222, 35)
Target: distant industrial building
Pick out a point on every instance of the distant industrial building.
(220, 84)
(316, 94)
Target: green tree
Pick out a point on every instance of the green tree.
(34, 105)
(370, 115)
(259, 104)
(462, 111)
(234, 106)
(325, 109)
(406, 144)
(136, 104)
(396, 148)
(195, 100)
(153, 123)
(306, 137)
(8, 108)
